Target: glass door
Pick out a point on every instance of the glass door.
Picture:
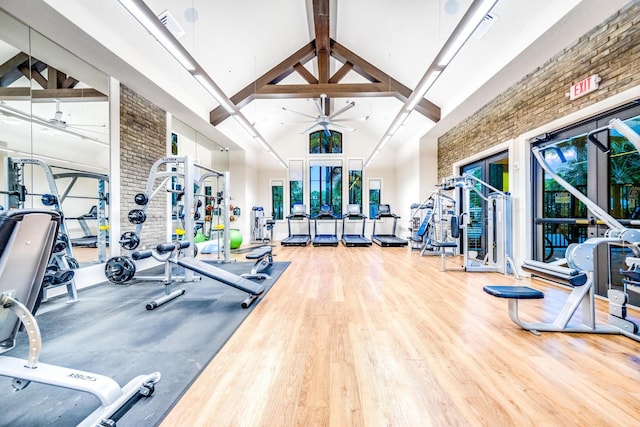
(609, 177)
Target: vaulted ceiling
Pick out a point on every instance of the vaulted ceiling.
(266, 55)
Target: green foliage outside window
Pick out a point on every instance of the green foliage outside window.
(374, 202)
(296, 193)
(277, 202)
(321, 143)
(326, 188)
(355, 187)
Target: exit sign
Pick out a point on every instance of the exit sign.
(584, 87)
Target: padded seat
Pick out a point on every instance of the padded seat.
(260, 252)
(514, 292)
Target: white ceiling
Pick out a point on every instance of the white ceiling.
(238, 41)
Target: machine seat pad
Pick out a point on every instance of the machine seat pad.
(260, 252)
(216, 273)
(633, 275)
(515, 292)
(444, 244)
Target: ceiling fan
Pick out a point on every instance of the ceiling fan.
(58, 121)
(323, 120)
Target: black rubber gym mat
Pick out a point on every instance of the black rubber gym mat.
(110, 332)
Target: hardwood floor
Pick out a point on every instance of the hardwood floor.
(380, 337)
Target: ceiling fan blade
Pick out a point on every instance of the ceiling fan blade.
(349, 106)
(300, 114)
(84, 129)
(326, 130)
(348, 129)
(309, 128)
(79, 125)
(352, 119)
(298, 123)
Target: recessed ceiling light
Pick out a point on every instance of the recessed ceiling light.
(191, 14)
(451, 7)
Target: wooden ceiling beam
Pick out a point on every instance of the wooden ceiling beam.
(343, 71)
(323, 48)
(48, 95)
(323, 44)
(372, 73)
(306, 74)
(10, 72)
(344, 90)
(273, 76)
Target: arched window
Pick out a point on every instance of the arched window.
(321, 143)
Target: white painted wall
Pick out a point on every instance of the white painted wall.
(243, 167)
(407, 184)
(428, 166)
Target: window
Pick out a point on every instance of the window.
(375, 188)
(355, 181)
(321, 143)
(610, 179)
(277, 200)
(325, 181)
(296, 183)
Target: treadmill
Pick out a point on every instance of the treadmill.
(354, 215)
(390, 239)
(325, 216)
(299, 215)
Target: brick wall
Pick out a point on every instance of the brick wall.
(611, 50)
(143, 128)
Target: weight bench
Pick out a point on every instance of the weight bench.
(26, 242)
(582, 295)
(253, 289)
(264, 260)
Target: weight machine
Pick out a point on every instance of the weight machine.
(434, 225)
(497, 205)
(63, 261)
(261, 225)
(184, 179)
(22, 269)
(580, 260)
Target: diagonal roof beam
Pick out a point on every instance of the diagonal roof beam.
(273, 76)
(373, 74)
(323, 48)
(10, 72)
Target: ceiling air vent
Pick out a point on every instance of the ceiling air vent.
(484, 25)
(172, 25)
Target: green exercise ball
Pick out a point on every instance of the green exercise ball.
(235, 238)
(199, 237)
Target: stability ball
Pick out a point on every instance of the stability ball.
(235, 238)
(199, 237)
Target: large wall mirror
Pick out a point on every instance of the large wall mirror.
(54, 137)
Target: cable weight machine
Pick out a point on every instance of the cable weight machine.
(497, 218)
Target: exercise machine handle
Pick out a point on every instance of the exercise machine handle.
(163, 248)
(138, 255)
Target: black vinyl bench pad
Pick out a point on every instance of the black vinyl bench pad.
(260, 252)
(221, 275)
(514, 292)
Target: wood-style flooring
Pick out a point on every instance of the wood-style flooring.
(381, 337)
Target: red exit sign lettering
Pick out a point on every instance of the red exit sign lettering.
(584, 87)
